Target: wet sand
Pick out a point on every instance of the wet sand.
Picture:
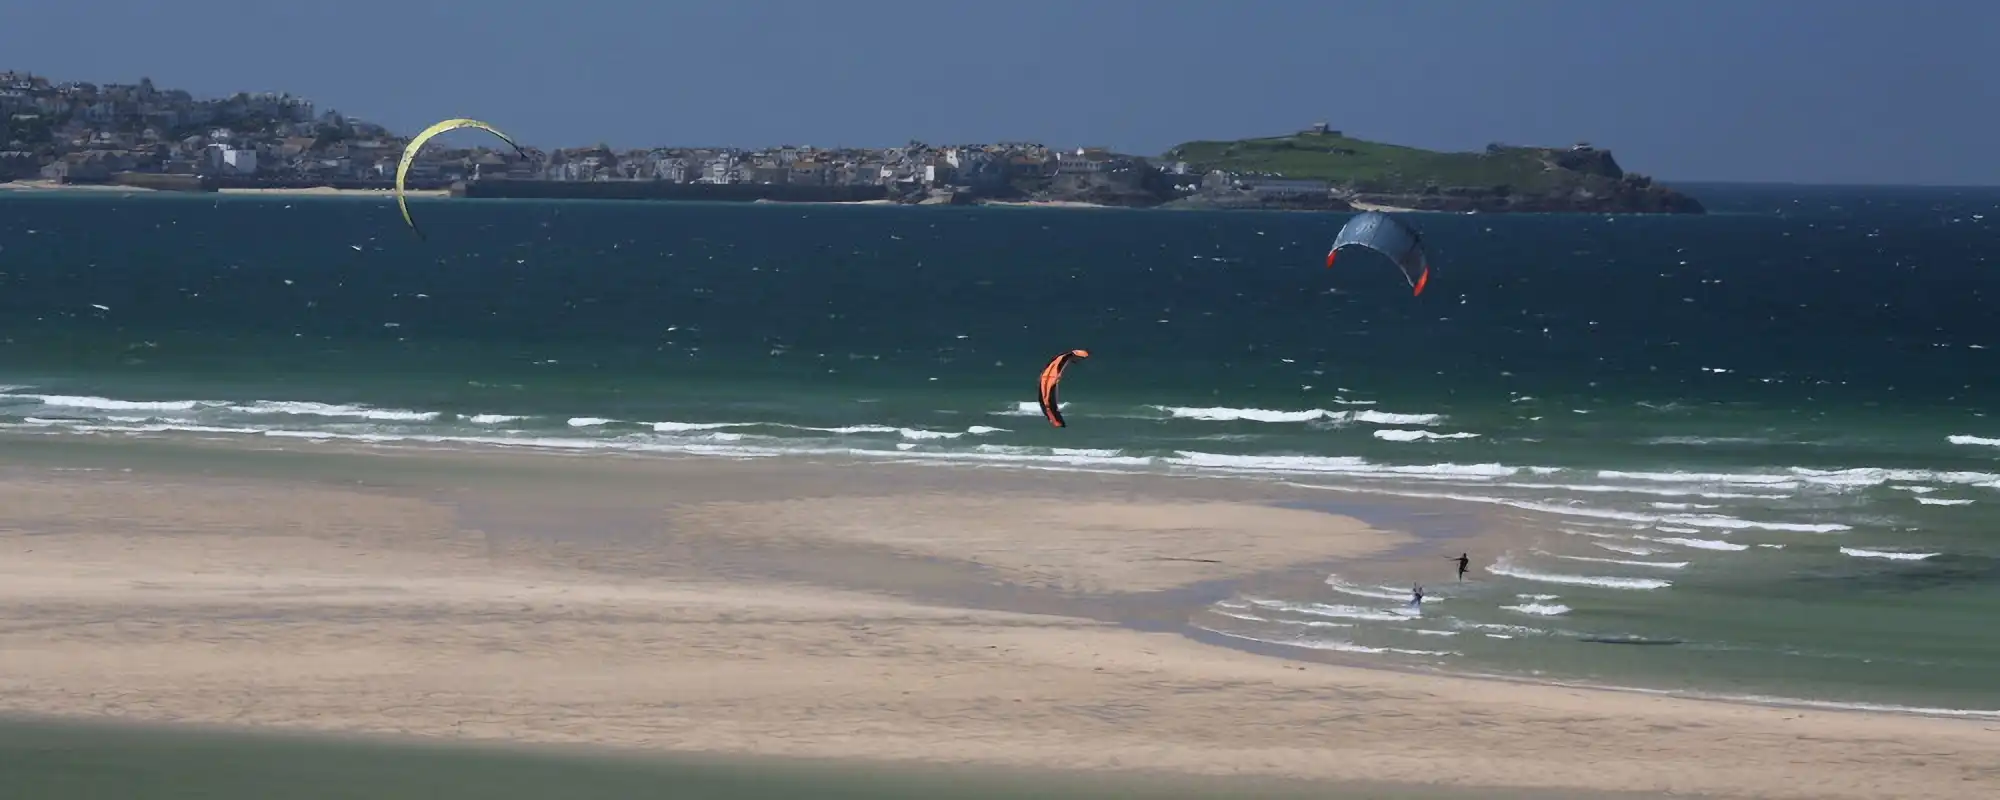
(1008, 619)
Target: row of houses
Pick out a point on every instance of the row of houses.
(82, 131)
(968, 165)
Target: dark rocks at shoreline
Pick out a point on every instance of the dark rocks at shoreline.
(1246, 201)
(1628, 195)
(1137, 186)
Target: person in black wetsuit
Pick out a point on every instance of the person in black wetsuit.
(1463, 559)
(1417, 596)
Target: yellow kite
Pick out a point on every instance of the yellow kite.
(410, 155)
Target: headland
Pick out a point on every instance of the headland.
(1500, 178)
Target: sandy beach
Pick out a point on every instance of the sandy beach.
(53, 186)
(1382, 208)
(783, 607)
(275, 193)
(328, 191)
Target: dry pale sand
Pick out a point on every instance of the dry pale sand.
(328, 191)
(787, 608)
(1380, 207)
(57, 186)
(311, 191)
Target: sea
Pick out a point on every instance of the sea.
(1754, 446)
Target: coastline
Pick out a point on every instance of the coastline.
(1381, 208)
(328, 191)
(441, 193)
(313, 191)
(52, 186)
(791, 607)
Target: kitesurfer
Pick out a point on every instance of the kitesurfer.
(1463, 559)
(1417, 596)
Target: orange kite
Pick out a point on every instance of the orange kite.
(1052, 375)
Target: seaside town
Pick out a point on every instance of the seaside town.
(73, 132)
(139, 135)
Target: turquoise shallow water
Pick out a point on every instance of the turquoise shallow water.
(1757, 440)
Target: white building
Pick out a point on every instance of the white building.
(227, 160)
(240, 162)
(1084, 159)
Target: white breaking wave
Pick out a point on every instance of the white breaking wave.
(1888, 554)
(1623, 561)
(1704, 440)
(1333, 611)
(1222, 611)
(1339, 465)
(1658, 491)
(1735, 479)
(1540, 609)
(1939, 501)
(106, 403)
(297, 408)
(1221, 414)
(1328, 644)
(1697, 520)
(1398, 435)
(310, 409)
(1698, 544)
(1973, 440)
(1607, 582)
(1377, 592)
(1494, 626)
(1794, 477)
(906, 433)
(685, 427)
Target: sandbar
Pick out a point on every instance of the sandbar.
(805, 608)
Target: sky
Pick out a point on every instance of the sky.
(1799, 91)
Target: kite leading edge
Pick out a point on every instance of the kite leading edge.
(417, 143)
(1052, 375)
(1391, 237)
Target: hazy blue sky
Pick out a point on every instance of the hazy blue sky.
(1830, 91)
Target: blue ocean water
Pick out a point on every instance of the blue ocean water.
(1759, 438)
